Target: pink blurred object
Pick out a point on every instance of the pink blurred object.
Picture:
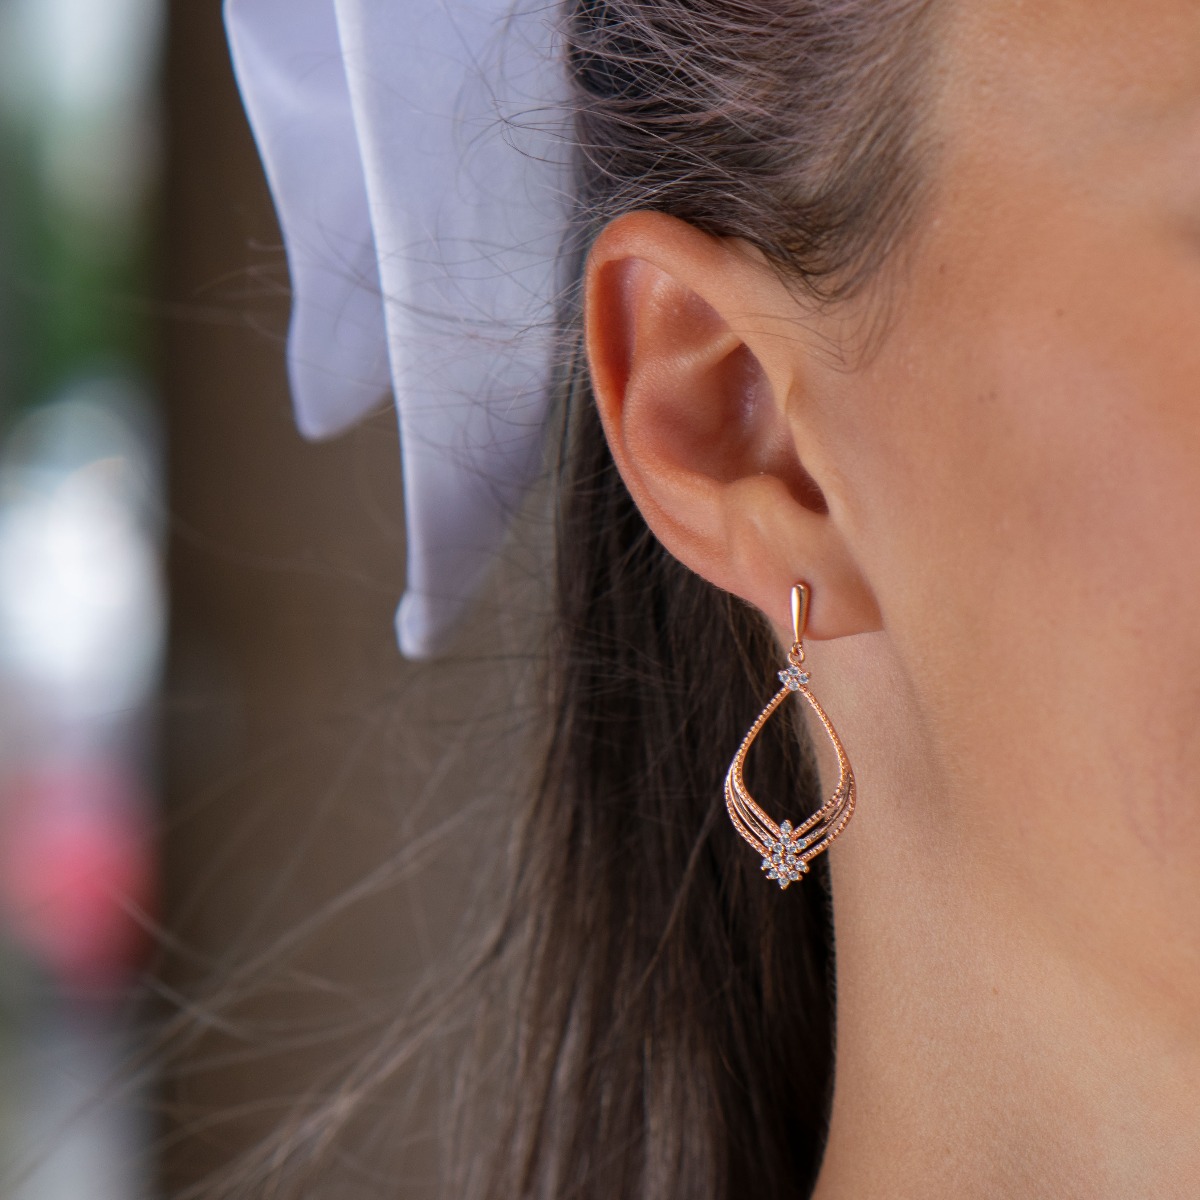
(76, 866)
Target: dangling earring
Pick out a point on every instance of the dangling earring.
(787, 851)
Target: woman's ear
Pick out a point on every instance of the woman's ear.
(699, 360)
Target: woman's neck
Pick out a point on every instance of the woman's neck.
(983, 1048)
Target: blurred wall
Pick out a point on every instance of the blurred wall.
(302, 754)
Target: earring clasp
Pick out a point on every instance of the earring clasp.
(800, 594)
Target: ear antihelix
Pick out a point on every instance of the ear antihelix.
(787, 849)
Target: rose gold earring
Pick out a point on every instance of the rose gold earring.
(788, 850)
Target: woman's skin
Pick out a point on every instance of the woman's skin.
(996, 502)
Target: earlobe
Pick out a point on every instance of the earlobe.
(694, 361)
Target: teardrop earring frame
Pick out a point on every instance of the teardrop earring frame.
(788, 850)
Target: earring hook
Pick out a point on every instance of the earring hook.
(800, 596)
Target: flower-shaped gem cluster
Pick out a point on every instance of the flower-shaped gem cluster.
(793, 677)
(783, 863)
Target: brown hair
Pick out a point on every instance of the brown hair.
(673, 1032)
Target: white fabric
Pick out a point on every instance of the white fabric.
(415, 154)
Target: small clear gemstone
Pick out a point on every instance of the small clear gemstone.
(786, 829)
(793, 875)
(766, 864)
(792, 677)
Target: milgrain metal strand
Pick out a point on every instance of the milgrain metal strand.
(819, 830)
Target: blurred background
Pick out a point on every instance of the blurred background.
(220, 785)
